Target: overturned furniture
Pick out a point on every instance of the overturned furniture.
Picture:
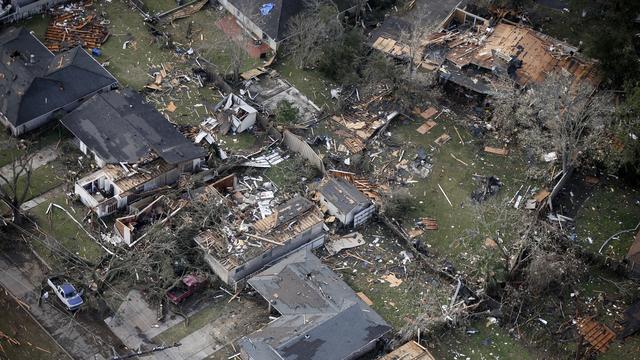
(344, 201)
(321, 316)
(239, 247)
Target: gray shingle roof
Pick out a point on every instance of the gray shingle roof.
(35, 82)
(343, 195)
(322, 317)
(120, 127)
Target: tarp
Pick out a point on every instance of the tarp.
(266, 9)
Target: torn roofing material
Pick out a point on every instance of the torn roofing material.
(322, 317)
(34, 82)
(120, 127)
(272, 16)
(342, 194)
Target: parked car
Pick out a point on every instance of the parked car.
(188, 286)
(66, 292)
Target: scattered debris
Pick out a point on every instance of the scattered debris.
(75, 24)
(392, 280)
(596, 334)
(345, 242)
(496, 151)
(442, 139)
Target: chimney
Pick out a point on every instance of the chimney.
(32, 59)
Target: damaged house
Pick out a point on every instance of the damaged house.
(477, 51)
(344, 201)
(471, 52)
(136, 147)
(14, 10)
(235, 114)
(240, 247)
(35, 84)
(321, 317)
(266, 21)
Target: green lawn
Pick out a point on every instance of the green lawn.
(34, 343)
(610, 208)
(310, 82)
(58, 224)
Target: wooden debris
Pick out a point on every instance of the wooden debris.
(429, 113)
(253, 73)
(442, 139)
(490, 243)
(426, 127)
(541, 195)
(171, 107)
(591, 180)
(414, 233)
(364, 298)
(496, 151)
(75, 25)
(392, 280)
(596, 334)
(409, 351)
(457, 132)
(445, 195)
(429, 223)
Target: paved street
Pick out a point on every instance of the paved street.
(69, 333)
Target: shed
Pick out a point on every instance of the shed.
(344, 201)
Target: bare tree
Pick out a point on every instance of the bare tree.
(560, 116)
(309, 30)
(15, 183)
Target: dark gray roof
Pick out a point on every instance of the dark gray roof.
(34, 82)
(120, 127)
(322, 317)
(292, 209)
(275, 22)
(343, 195)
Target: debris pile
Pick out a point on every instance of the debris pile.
(489, 186)
(76, 24)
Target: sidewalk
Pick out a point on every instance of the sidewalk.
(66, 331)
(41, 158)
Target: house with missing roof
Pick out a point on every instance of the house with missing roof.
(14, 10)
(321, 317)
(344, 201)
(241, 247)
(264, 20)
(35, 84)
(137, 149)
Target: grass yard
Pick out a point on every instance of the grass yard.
(311, 83)
(610, 208)
(65, 230)
(34, 343)
(456, 179)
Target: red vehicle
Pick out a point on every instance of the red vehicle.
(185, 288)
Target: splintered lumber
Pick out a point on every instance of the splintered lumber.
(429, 113)
(596, 334)
(265, 239)
(445, 195)
(364, 298)
(429, 223)
(496, 151)
(75, 25)
(426, 127)
(442, 139)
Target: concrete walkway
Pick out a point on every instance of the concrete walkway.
(28, 205)
(41, 158)
(61, 325)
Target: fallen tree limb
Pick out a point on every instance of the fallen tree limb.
(616, 234)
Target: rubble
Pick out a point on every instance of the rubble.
(76, 24)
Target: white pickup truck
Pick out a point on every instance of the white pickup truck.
(66, 292)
